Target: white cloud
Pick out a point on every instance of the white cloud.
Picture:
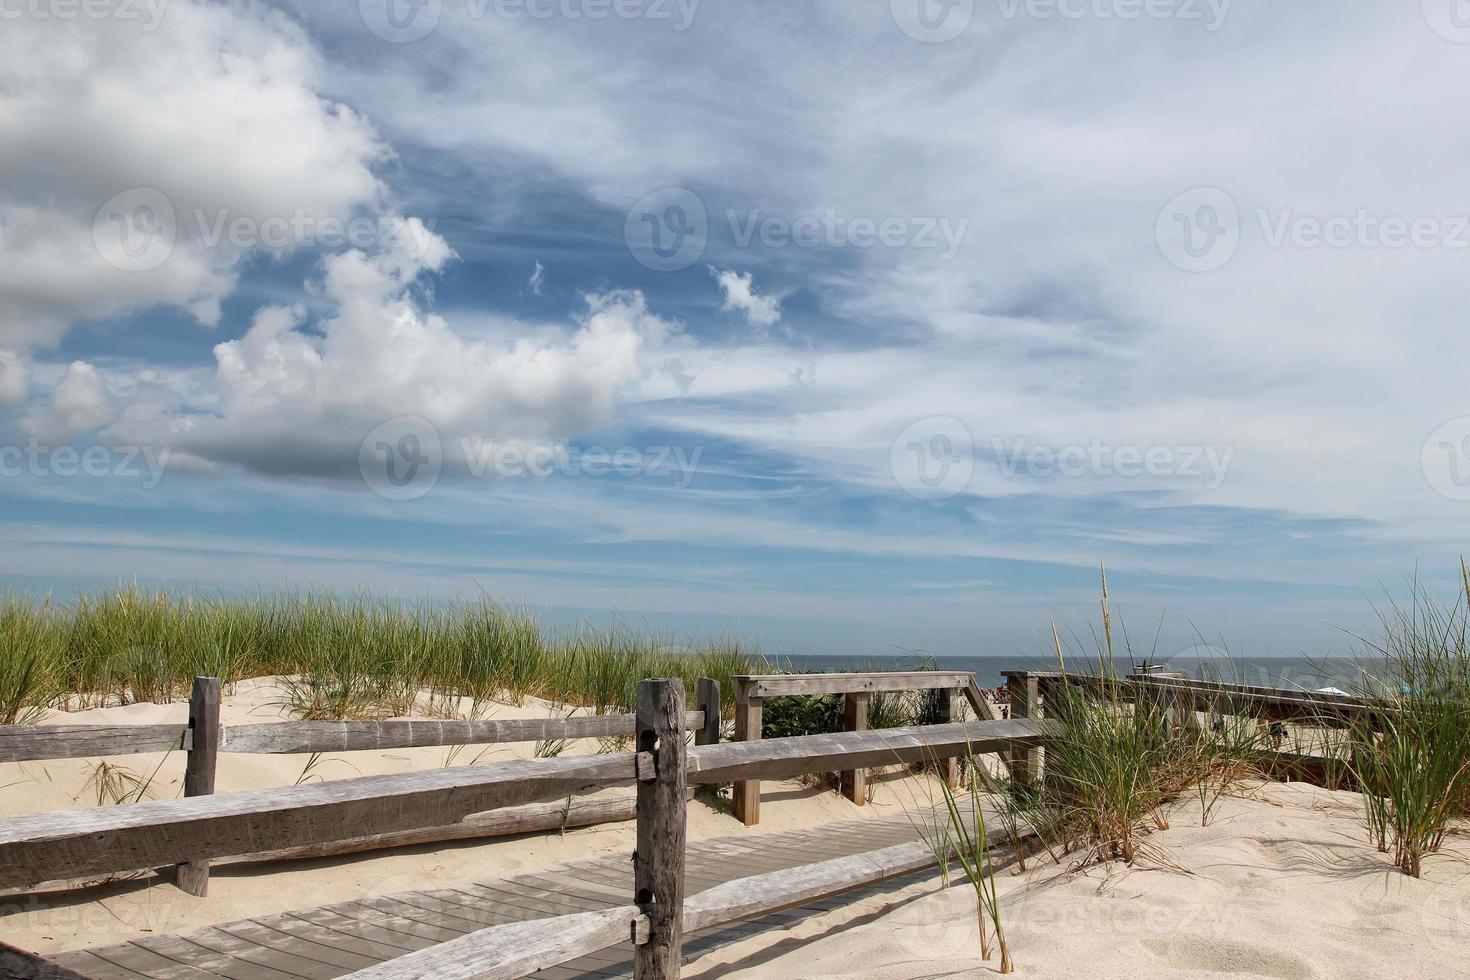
(14, 379)
(216, 110)
(538, 277)
(740, 294)
(1058, 318)
(79, 404)
(295, 398)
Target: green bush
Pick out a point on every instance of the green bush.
(804, 714)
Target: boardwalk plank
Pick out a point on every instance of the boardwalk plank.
(350, 942)
(324, 943)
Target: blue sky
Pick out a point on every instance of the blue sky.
(851, 331)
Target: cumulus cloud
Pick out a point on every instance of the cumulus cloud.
(78, 404)
(740, 294)
(295, 397)
(125, 151)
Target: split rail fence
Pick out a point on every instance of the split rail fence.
(751, 691)
(188, 833)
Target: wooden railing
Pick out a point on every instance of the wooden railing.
(161, 834)
(203, 739)
(1183, 697)
(1266, 703)
(856, 690)
(661, 766)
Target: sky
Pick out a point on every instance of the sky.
(853, 327)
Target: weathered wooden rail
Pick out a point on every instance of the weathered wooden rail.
(203, 738)
(751, 691)
(1030, 690)
(1265, 703)
(159, 834)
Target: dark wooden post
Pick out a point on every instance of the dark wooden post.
(658, 864)
(1025, 697)
(746, 797)
(707, 693)
(193, 877)
(854, 782)
(950, 710)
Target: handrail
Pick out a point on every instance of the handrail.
(29, 743)
(785, 685)
(856, 690)
(75, 843)
(781, 758)
(1270, 703)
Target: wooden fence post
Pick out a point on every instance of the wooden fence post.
(707, 694)
(950, 710)
(746, 798)
(854, 782)
(193, 876)
(658, 864)
(1025, 699)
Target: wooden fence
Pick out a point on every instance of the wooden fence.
(1184, 698)
(203, 738)
(196, 829)
(856, 690)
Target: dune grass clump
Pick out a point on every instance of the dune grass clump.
(354, 657)
(1414, 771)
(1117, 755)
(1112, 764)
(30, 661)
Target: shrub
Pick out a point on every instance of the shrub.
(801, 714)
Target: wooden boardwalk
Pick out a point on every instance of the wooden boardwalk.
(323, 943)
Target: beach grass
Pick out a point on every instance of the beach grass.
(352, 657)
(959, 833)
(1415, 770)
(1115, 761)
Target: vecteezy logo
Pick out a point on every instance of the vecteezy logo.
(932, 21)
(1446, 459)
(1450, 19)
(400, 21)
(401, 459)
(136, 230)
(667, 230)
(1199, 230)
(933, 459)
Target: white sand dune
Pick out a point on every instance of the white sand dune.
(1283, 885)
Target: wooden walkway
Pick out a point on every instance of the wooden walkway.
(323, 943)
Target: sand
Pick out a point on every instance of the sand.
(1282, 885)
(123, 910)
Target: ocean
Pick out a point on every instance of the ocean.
(1294, 673)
